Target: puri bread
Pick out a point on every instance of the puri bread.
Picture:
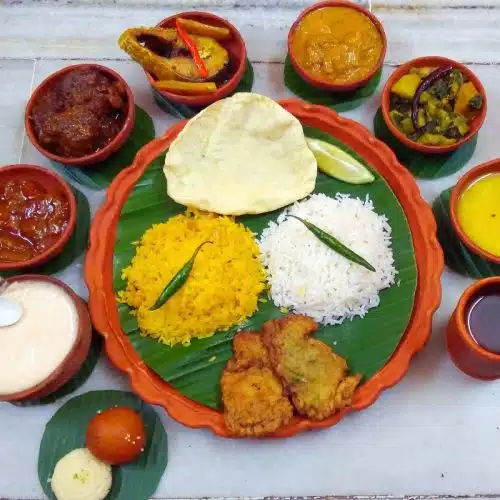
(242, 155)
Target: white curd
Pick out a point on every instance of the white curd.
(35, 346)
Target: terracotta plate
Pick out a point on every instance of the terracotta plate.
(153, 389)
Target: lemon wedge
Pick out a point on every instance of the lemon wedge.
(335, 162)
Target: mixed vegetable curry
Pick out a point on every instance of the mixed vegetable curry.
(434, 106)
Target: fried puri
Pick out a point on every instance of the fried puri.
(313, 375)
(254, 399)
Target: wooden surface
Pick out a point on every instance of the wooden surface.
(437, 433)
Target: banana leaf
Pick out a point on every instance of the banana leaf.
(100, 176)
(340, 101)
(66, 431)
(424, 166)
(183, 111)
(457, 256)
(195, 370)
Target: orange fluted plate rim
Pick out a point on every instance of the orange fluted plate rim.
(153, 389)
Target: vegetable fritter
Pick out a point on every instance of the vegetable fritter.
(254, 399)
(314, 376)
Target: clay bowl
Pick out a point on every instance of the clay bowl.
(492, 167)
(323, 84)
(465, 352)
(433, 61)
(237, 53)
(53, 182)
(99, 155)
(75, 358)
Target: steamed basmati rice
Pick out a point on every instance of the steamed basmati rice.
(308, 277)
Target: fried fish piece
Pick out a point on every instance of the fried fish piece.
(314, 376)
(254, 400)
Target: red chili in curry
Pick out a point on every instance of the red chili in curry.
(81, 113)
(32, 219)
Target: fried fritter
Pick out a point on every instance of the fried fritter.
(254, 400)
(248, 350)
(314, 376)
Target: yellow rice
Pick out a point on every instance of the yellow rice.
(222, 289)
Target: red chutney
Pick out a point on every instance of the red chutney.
(81, 113)
(32, 219)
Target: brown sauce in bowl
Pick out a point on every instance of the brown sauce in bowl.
(80, 114)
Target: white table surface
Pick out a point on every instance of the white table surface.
(436, 433)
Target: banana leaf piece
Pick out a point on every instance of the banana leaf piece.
(195, 369)
(66, 431)
(339, 101)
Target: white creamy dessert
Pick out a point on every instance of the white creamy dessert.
(35, 346)
(80, 476)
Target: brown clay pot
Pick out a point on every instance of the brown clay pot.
(237, 53)
(464, 351)
(491, 167)
(74, 359)
(101, 154)
(433, 61)
(51, 181)
(325, 85)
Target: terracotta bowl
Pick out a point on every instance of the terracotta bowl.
(492, 167)
(51, 181)
(151, 388)
(435, 61)
(325, 85)
(75, 358)
(99, 155)
(464, 351)
(237, 53)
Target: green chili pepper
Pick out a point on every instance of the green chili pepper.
(177, 281)
(335, 244)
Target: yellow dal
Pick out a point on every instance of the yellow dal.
(222, 289)
(478, 213)
(337, 44)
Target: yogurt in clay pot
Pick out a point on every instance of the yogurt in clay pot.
(33, 348)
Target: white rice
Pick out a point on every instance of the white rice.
(309, 278)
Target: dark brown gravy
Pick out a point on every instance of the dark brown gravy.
(82, 112)
(483, 320)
